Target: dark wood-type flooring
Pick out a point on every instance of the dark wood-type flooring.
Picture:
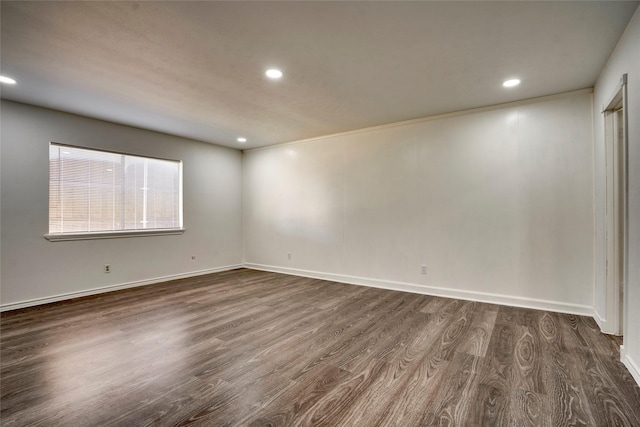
(250, 348)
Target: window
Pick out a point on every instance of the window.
(97, 194)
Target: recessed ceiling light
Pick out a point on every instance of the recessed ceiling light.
(273, 73)
(7, 80)
(242, 139)
(511, 83)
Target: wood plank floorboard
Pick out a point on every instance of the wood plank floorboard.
(251, 348)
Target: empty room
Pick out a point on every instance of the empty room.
(320, 213)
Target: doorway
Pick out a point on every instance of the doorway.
(615, 119)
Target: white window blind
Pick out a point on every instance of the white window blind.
(96, 191)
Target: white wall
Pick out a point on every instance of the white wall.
(498, 203)
(624, 59)
(35, 269)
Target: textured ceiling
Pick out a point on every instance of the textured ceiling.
(195, 69)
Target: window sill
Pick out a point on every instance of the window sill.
(112, 234)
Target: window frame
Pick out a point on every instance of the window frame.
(112, 234)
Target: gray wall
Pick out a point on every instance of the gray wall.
(624, 59)
(35, 269)
(497, 203)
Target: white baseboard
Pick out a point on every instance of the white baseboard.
(602, 323)
(631, 365)
(111, 288)
(514, 301)
(606, 327)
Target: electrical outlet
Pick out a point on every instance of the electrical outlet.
(107, 268)
(289, 256)
(423, 269)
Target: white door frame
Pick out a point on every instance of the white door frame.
(616, 210)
